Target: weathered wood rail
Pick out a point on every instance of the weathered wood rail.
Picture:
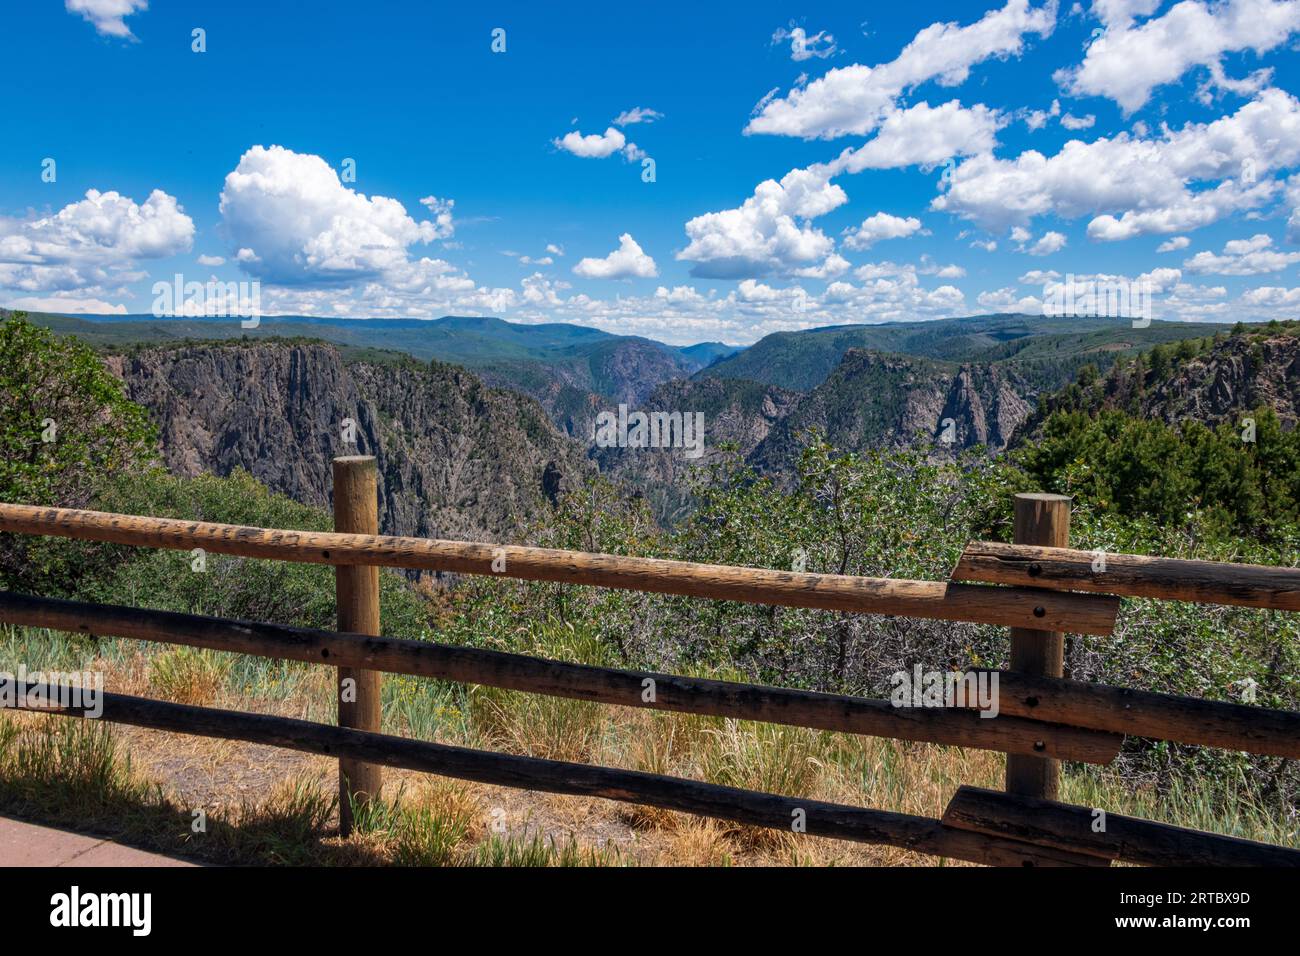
(1130, 575)
(1042, 718)
(471, 665)
(1077, 613)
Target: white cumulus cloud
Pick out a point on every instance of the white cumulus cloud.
(91, 242)
(924, 135)
(856, 99)
(880, 226)
(1125, 63)
(107, 16)
(597, 145)
(293, 221)
(1243, 257)
(628, 261)
(769, 232)
(1134, 185)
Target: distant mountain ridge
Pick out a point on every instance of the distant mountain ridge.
(462, 340)
(571, 369)
(1046, 350)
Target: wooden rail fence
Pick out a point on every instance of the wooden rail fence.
(1038, 588)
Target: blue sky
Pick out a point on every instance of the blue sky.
(703, 171)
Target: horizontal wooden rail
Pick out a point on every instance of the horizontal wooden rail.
(855, 715)
(1117, 837)
(1138, 713)
(837, 821)
(1131, 575)
(1016, 607)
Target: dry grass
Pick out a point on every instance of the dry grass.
(189, 675)
(269, 806)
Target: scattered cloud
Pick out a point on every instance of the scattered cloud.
(599, 145)
(804, 47)
(1156, 182)
(878, 227)
(769, 232)
(1037, 119)
(1243, 257)
(294, 222)
(108, 16)
(924, 135)
(1174, 244)
(628, 261)
(1121, 13)
(638, 114)
(66, 304)
(855, 100)
(928, 267)
(92, 244)
(1126, 62)
(1046, 244)
(593, 146)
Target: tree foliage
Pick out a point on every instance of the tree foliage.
(1245, 483)
(66, 426)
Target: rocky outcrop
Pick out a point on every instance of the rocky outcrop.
(879, 400)
(1224, 380)
(1240, 374)
(455, 457)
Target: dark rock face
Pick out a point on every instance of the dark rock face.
(1235, 376)
(1223, 384)
(879, 400)
(455, 458)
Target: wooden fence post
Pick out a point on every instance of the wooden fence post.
(356, 511)
(1042, 520)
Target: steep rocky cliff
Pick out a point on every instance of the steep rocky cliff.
(1241, 373)
(875, 399)
(1226, 378)
(870, 400)
(737, 413)
(456, 458)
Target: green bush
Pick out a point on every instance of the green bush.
(65, 427)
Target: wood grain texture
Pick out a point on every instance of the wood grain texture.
(1040, 519)
(1024, 607)
(626, 688)
(837, 821)
(1188, 720)
(356, 593)
(1126, 839)
(1131, 575)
